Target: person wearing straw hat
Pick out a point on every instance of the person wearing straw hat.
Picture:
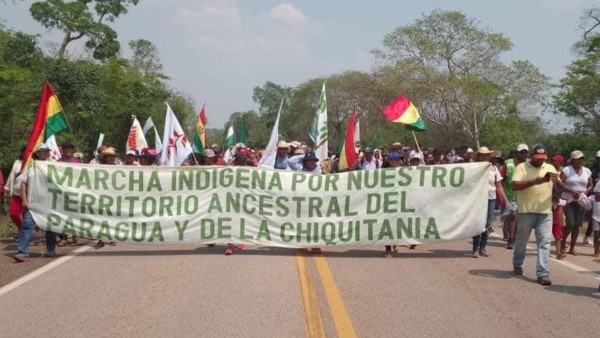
(495, 191)
(42, 153)
(281, 158)
(107, 157)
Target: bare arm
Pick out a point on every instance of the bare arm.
(24, 203)
(521, 185)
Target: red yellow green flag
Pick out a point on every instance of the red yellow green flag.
(348, 157)
(401, 110)
(200, 141)
(49, 120)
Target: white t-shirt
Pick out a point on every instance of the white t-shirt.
(574, 181)
(595, 205)
(494, 177)
(366, 165)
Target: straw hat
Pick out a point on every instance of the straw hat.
(110, 151)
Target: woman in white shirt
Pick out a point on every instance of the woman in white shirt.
(577, 180)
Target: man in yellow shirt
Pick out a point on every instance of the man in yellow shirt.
(533, 183)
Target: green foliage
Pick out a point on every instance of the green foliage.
(97, 98)
(451, 68)
(83, 18)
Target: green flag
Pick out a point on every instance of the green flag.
(417, 126)
(243, 130)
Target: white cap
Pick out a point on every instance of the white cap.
(470, 150)
(522, 147)
(576, 154)
(42, 147)
(131, 152)
(598, 153)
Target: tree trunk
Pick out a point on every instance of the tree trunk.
(476, 132)
(63, 45)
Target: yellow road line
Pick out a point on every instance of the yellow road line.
(312, 314)
(342, 321)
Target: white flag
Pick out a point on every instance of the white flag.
(177, 147)
(321, 144)
(268, 158)
(357, 132)
(150, 125)
(54, 150)
(136, 139)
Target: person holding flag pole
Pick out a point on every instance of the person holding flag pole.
(49, 120)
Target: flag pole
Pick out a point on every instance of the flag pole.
(416, 141)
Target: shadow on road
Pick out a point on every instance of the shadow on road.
(274, 251)
(566, 289)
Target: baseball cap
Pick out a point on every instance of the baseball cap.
(131, 152)
(42, 147)
(539, 152)
(558, 158)
(576, 154)
(394, 155)
(522, 147)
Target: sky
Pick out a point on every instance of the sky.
(217, 51)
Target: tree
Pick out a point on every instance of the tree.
(579, 95)
(452, 70)
(83, 18)
(145, 59)
(268, 97)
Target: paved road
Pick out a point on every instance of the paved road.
(191, 291)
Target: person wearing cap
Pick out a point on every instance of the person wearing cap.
(42, 153)
(68, 153)
(281, 158)
(294, 162)
(131, 157)
(148, 157)
(415, 158)
(495, 191)
(395, 159)
(461, 152)
(509, 215)
(577, 180)
(533, 182)
(210, 157)
(368, 161)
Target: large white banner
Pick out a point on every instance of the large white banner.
(407, 205)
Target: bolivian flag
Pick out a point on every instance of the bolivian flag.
(49, 120)
(200, 141)
(401, 110)
(348, 155)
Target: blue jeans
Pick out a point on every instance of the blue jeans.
(27, 232)
(542, 224)
(480, 241)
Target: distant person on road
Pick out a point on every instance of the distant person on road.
(557, 204)
(533, 182)
(510, 214)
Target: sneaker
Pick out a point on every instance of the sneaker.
(483, 253)
(228, 251)
(518, 271)
(21, 258)
(587, 240)
(544, 280)
(510, 244)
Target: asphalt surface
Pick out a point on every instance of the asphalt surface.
(196, 291)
